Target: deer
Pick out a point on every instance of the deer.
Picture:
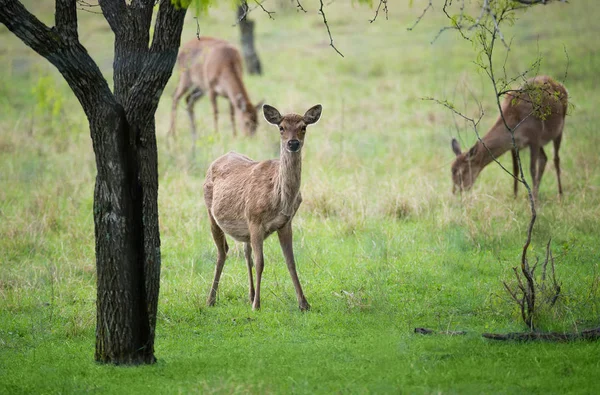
(536, 114)
(213, 66)
(250, 200)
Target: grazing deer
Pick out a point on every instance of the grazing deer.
(536, 113)
(249, 200)
(212, 66)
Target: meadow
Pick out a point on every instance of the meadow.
(381, 242)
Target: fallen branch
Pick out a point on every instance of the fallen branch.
(590, 334)
(426, 331)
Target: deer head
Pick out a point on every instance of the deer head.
(464, 169)
(247, 115)
(292, 127)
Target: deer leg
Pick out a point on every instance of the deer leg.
(182, 87)
(285, 240)
(249, 263)
(232, 116)
(213, 100)
(541, 166)
(515, 162)
(256, 240)
(557, 162)
(190, 100)
(534, 154)
(222, 248)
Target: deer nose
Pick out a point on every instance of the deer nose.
(294, 145)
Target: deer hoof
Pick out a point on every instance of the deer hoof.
(304, 306)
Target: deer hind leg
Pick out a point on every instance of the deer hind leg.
(222, 248)
(232, 116)
(249, 263)
(515, 163)
(256, 240)
(557, 162)
(191, 100)
(285, 240)
(182, 87)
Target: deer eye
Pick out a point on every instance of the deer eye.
(281, 129)
(304, 128)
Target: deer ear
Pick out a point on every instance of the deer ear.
(456, 147)
(472, 152)
(271, 114)
(313, 114)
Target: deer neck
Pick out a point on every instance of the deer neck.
(287, 186)
(235, 87)
(496, 142)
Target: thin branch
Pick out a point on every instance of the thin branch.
(299, 6)
(385, 9)
(264, 9)
(322, 12)
(421, 16)
(568, 62)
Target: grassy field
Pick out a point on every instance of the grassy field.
(382, 244)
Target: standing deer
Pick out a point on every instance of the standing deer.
(213, 66)
(250, 200)
(536, 113)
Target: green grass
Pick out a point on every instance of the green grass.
(381, 243)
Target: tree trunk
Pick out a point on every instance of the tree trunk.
(122, 129)
(251, 59)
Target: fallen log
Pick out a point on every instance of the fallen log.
(590, 334)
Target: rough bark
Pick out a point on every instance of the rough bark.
(122, 129)
(251, 59)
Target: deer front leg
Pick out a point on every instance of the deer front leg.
(515, 171)
(285, 240)
(534, 154)
(541, 166)
(232, 116)
(222, 248)
(249, 263)
(256, 240)
(191, 100)
(213, 100)
(182, 88)
(557, 162)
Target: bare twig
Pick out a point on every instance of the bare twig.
(299, 6)
(265, 10)
(568, 61)
(322, 12)
(421, 16)
(385, 9)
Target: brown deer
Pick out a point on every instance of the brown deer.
(212, 66)
(250, 200)
(536, 113)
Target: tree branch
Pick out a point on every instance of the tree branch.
(68, 56)
(114, 11)
(322, 12)
(65, 17)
